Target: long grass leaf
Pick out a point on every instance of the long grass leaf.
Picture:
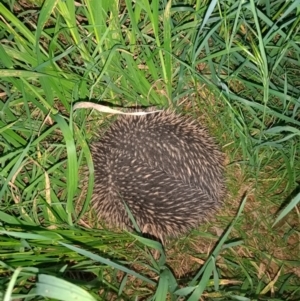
(53, 287)
(72, 168)
(293, 203)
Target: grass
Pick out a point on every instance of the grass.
(234, 65)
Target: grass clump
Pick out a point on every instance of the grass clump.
(235, 64)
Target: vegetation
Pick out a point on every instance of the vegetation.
(234, 65)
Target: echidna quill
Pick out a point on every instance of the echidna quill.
(164, 167)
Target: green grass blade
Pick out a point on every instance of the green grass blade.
(106, 262)
(72, 168)
(293, 203)
(53, 287)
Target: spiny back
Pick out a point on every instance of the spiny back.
(166, 169)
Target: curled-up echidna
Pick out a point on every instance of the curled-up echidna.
(164, 167)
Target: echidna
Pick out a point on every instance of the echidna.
(164, 167)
